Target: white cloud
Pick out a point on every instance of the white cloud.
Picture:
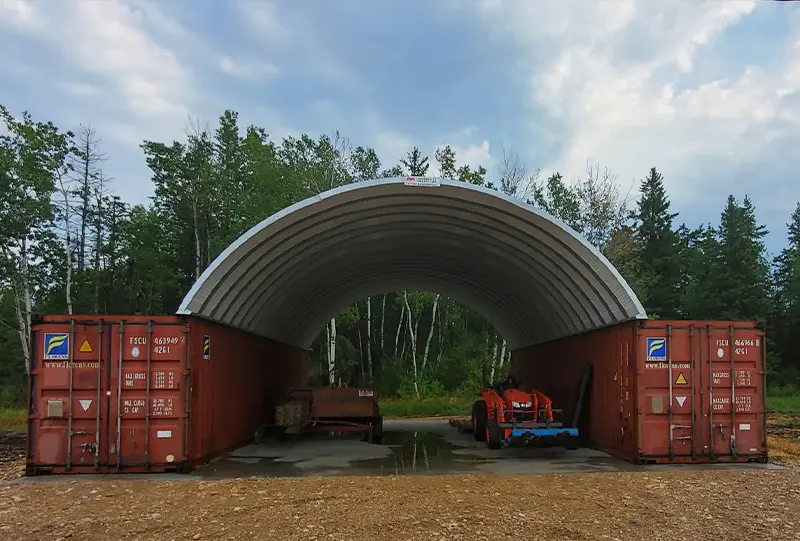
(621, 85)
(262, 17)
(114, 43)
(77, 88)
(244, 69)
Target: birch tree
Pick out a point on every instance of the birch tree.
(32, 154)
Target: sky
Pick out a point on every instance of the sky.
(707, 92)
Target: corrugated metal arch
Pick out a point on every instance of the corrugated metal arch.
(531, 275)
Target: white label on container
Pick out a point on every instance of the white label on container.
(365, 392)
(744, 426)
(164, 434)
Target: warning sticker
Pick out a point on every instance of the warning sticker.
(422, 181)
(206, 347)
(86, 347)
(85, 404)
(681, 379)
(681, 400)
(615, 376)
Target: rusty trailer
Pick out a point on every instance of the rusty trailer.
(332, 410)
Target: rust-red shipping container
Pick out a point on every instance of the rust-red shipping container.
(139, 393)
(662, 391)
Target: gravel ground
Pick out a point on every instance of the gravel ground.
(679, 505)
(752, 504)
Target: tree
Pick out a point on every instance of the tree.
(85, 162)
(658, 248)
(32, 155)
(744, 269)
(446, 158)
(785, 328)
(415, 163)
(559, 200)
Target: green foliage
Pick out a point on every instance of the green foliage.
(213, 185)
(658, 248)
(431, 407)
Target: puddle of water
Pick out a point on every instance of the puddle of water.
(421, 452)
(400, 453)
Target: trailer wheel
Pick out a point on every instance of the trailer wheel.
(494, 433)
(377, 430)
(479, 415)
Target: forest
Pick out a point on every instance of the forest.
(69, 245)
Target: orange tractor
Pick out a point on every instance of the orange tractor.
(507, 416)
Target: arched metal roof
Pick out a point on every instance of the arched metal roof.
(529, 274)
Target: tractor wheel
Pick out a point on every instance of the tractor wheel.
(479, 415)
(494, 434)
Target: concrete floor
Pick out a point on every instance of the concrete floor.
(412, 448)
(429, 447)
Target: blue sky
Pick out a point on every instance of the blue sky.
(708, 92)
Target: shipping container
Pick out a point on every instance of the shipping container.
(138, 393)
(662, 391)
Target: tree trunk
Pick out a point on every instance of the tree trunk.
(383, 321)
(85, 210)
(361, 350)
(502, 354)
(494, 361)
(24, 317)
(430, 332)
(197, 262)
(98, 246)
(369, 337)
(24, 332)
(399, 326)
(441, 343)
(331, 352)
(67, 249)
(413, 345)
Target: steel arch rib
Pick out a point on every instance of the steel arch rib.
(566, 271)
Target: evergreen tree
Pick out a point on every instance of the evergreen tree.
(700, 284)
(784, 328)
(743, 273)
(415, 163)
(659, 248)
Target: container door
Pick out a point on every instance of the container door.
(147, 396)
(67, 427)
(733, 391)
(668, 389)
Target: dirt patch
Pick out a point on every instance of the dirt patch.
(12, 455)
(745, 504)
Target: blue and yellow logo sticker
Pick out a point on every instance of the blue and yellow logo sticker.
(656, 349)
(56, 345)
(206, 347)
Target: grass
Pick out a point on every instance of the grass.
(784, 400)
(12, 420)
(428, 407)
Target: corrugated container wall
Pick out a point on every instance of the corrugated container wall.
(138, 393)
(662, 391)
